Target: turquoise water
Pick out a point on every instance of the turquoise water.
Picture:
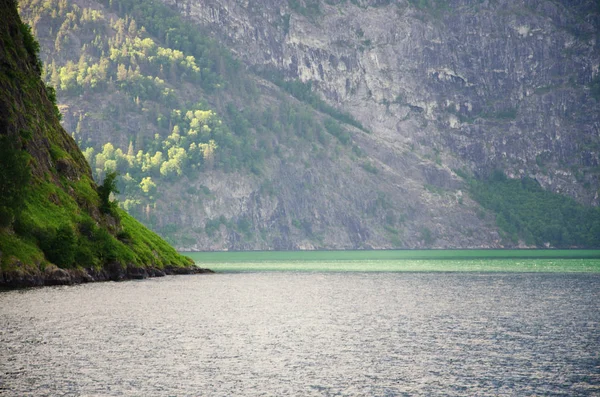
(586, 261)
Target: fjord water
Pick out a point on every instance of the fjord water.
(257, 332)
(403, 261)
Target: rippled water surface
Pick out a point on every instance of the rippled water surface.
(306, 333)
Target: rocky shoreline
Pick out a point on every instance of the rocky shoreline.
(53, 275)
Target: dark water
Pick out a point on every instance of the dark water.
(349, 334)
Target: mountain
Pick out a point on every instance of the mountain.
(56, 225)
(308, 124)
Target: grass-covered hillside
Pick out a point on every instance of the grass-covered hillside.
(56, 224)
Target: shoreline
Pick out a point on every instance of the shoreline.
(53, 275)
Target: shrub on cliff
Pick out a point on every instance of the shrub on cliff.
(108, 186)
(59, 246)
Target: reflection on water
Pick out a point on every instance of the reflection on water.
(380, 334)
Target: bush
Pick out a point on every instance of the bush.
(369, 168)
(84, 253)
(14, 177)
(58, 245)
(124, 236)
(211, 227)
(595, 87)
(31, 45)
(87, 228)
(6, 216)
(335, 129)
(106, 246)
(51, 93)
(108, 186)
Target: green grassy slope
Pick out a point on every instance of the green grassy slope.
(51, 218)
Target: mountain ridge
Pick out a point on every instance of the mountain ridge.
(330, 135)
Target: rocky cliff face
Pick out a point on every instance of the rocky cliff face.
(441, 86)
(480, 85)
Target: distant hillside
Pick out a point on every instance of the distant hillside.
(56, 225)
(308, 125)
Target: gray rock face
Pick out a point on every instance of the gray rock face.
(486, 85)
(457, 85)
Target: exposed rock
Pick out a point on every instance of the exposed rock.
(186, 270)
(53, 275)
(495, 84)
(441, 86)
(56, 276)
(474, 86)
(136, 273)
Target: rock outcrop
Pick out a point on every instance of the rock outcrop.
(482, 85)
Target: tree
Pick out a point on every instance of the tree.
(121, 72)
(108, 186)
(147, 185)
(132, 28)
(208, 153)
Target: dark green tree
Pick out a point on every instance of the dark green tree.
(108, 186)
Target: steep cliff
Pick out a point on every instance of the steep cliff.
(56, 225)
(407, 101)
(474, 86)
(484, 85)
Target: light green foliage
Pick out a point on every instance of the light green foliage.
(187, 149)
(147, 186)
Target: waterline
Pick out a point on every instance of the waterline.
(586, 261)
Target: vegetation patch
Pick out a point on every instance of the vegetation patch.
(308, 8)
(303, 92)
(526, 211)
(433, 7)
(49, 205)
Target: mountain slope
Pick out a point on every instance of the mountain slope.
(57, 226)
(361, 124)
(504, 84)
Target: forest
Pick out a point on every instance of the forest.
(524, 211)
